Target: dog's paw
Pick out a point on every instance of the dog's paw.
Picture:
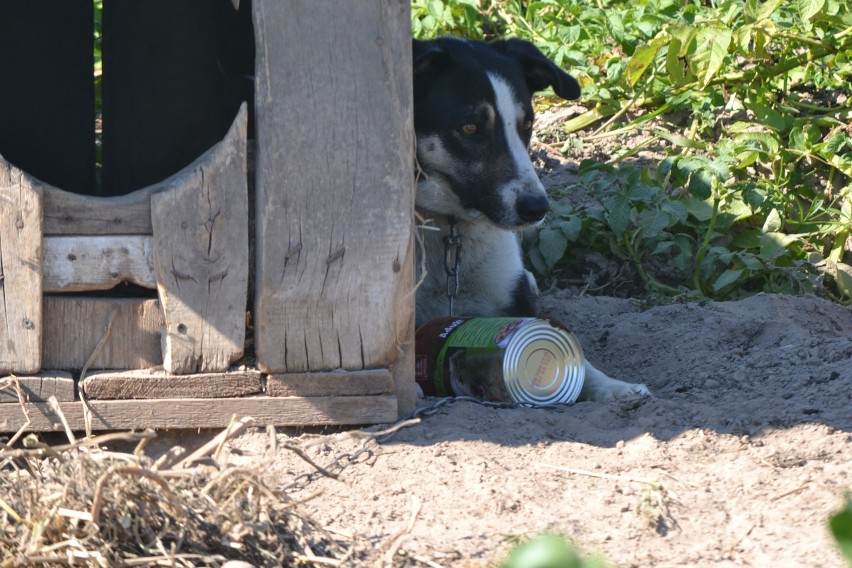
(625, 391)
(599, 387)
(614, 390)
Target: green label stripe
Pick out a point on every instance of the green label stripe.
(475, 332)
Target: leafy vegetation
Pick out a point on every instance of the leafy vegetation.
(745, 110)
(841, 528)
(549, 551)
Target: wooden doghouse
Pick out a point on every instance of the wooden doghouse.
(330, 270)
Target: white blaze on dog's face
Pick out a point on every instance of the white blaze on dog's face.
(523, 196)
(473, 121)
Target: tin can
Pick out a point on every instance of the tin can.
(522, 360)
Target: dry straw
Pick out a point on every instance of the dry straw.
(82, 504)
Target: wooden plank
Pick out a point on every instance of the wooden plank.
(203, 413)
(155, 383)
(39, 388)
(20, 270)
(77, 264)
(201, 257)
(335, 383)
(335, 183)
(73, 327)
(68, 213)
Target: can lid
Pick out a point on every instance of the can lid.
(543, 365)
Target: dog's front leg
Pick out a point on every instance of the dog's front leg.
(599, 387)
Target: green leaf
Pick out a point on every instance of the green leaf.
(841, 528)
(773, 245)
(809, 8)
(769, 116)
(654, 221)
(615, 25)
(537, 261)
(836, 143)
(663, 247)
(701, 183)
(570, 227)
(675, 66)
(711, 50)
(773, 222)
(757, 10)
(747, 239)
(761, 141)
(642, 58)
(618, 214)
(701, 209)
(552, 244)
(843, 277)
(726, 279)
(679, 140)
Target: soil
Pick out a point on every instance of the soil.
(739, 459)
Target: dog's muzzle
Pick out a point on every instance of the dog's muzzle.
(532, 208)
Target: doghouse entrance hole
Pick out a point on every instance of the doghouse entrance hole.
(110, 97)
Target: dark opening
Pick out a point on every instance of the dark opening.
(174, 73)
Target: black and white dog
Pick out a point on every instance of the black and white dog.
(473, 119)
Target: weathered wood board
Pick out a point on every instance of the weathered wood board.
(343, 383)
(335, 186)
(20, 270)
(68, 213)
(73, 327)
(154, 383)
(38, 388)
(203, 413)
(77, 264)
(201, 257)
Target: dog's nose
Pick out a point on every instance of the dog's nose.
(532, 208)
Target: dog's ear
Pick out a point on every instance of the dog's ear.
(427, 56)
(539, 71)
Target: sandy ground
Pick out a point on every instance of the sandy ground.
(739, 459)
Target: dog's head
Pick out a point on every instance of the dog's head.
(473, 119)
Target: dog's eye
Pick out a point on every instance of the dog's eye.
(468, 129)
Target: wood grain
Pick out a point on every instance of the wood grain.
(84, 263)
(335, 383)
(154, 383)
(68, 213)
(203, 413)
(39, 388)
(335, 184)
(20, 270)
(73, 327)
(201, 257)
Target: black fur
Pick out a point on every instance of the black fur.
(475, 175)
(452, 89)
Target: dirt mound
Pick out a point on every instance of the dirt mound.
(738, 461)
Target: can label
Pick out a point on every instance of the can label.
(502, 359)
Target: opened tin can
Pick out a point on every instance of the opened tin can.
(522, 360)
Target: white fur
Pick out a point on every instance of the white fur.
(511, 113)
(491, 258)
(490, 264)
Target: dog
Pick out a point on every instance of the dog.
(473, 119)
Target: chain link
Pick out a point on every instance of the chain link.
(362, 455)
(371, 444)
(452, 261)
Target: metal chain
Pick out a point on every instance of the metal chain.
(336, 467)
(452, 261)
(368, 448)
